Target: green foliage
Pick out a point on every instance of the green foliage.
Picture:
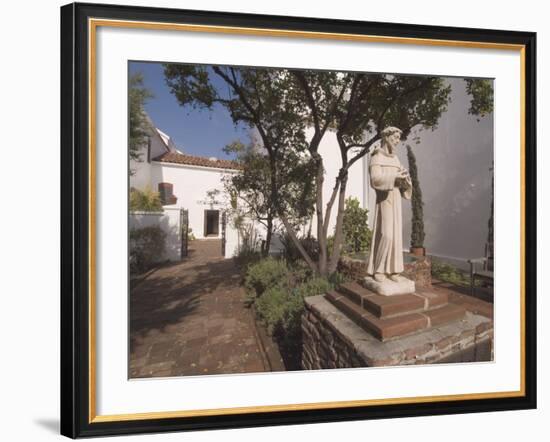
(291, 252)
(245, 257)
(267, 273)
(417, 205)
(281, 308)
(137, 97)
(280, 104)
(249, 189)
(448, 273)
(481, 96)
(272, 307)
(277, 291)
(337, 278)
(248, 252)
(330, 242)
(312, 287)
(147, 247)
(357, 235)
(145, 201)
(253, 185)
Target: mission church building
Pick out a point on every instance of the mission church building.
(184, 181)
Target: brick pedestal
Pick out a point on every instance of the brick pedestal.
(390, 317)
(331, 339)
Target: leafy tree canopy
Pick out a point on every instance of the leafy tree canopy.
(137, 97)
(281, 104)
(481, 96)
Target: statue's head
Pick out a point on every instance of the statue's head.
(391, 136)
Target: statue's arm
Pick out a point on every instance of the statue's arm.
(382, 178)
(405, 187)
(406, 190)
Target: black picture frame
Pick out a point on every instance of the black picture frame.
(76, 403)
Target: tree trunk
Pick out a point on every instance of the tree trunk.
(299, 246)
(269, 233)
(338, 230)
(321, 238)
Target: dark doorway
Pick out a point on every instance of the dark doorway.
(211, 223)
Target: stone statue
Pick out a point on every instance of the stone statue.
(391, 181)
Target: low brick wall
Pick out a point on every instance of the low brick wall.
(419, 269)
(332, 340)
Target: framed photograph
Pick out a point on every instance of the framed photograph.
(273, 220)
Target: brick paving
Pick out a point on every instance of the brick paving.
(188, 318)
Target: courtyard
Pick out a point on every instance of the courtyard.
(189, 318)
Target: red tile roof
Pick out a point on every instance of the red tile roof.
(192, 160)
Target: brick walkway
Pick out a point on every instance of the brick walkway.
(188, 318)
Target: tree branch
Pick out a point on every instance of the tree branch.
(426, 81)
(309, 99)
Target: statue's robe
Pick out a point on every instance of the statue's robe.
(386, 254)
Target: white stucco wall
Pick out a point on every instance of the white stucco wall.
(232, 241)
(191, 184)
(169, 222)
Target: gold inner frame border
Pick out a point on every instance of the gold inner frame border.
(93, 24)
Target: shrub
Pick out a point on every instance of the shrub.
(357, 235)
(291, 253)
(249, 238)
(330, 244)
(338, 278)
(292, 317)
(313, 287)
(448, 273)
(147, 247)
(245, 257)
(299, 272)
(271, 308)
(145, 201)
(278, 290)
(265, 274)
(248, 251)
(281, 309)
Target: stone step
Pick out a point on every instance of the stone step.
(390, 306)
(445, 314)
(397, 326)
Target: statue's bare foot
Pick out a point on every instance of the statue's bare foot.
(396, 277)
(379, 277)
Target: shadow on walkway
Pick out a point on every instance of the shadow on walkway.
(189, 318)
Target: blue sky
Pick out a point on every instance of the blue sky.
(196, 132)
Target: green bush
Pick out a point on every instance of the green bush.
(271, 308)
(265, 274)
(145, 201)
(291, 253)
(313, 287)
(147, 247)
(245, 257)
(248, 251)
(448, 273)
(281, 307)
(277, 291)
(355, 227)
